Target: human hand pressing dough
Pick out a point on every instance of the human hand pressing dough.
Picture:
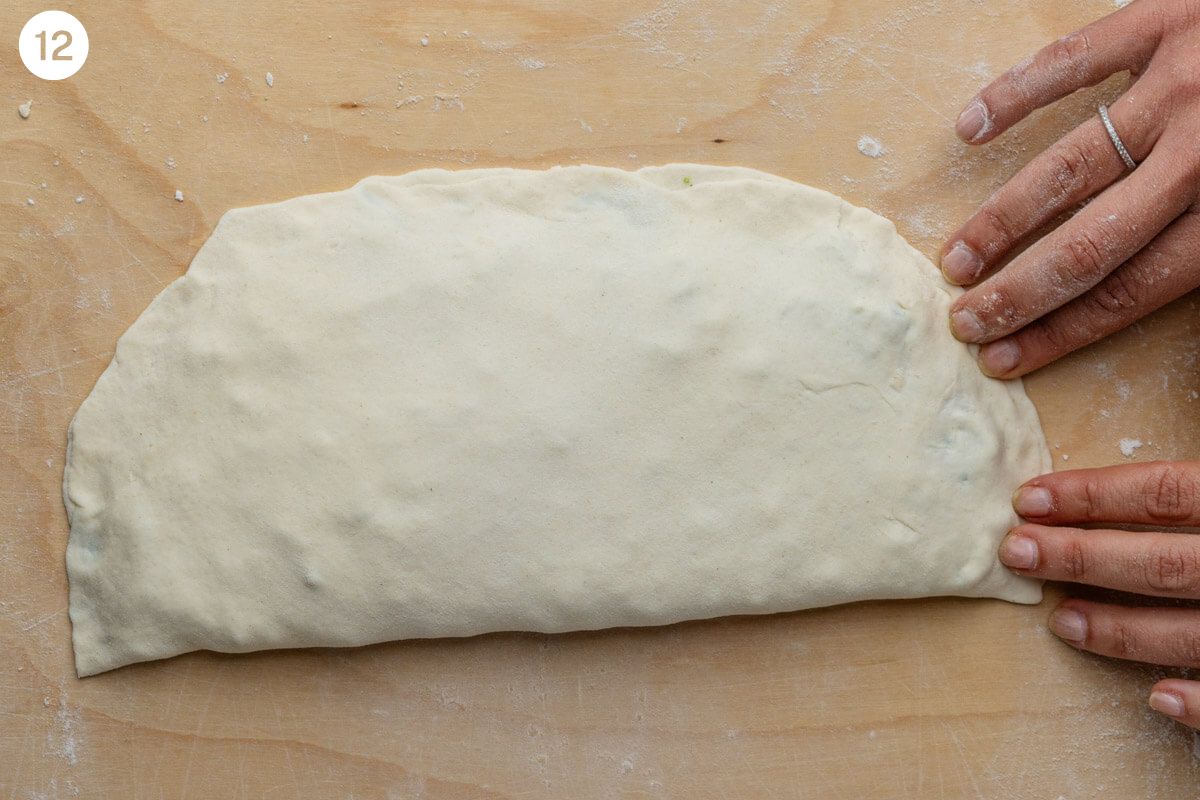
(1159, 564)
(1133, 248)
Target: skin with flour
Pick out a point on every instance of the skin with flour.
(1129, 251)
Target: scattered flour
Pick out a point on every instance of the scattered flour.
(222, 77)
(29, 201)
(448, 101)
(170, 162)
(63, 740)
(425, 40)
(270, 80)
(680, 124)
(25, 108)
(1128, 446)
(78, 199)
(870, 146)
(178, 196)
(532, 63)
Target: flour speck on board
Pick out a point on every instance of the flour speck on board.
(170, 162)
(78, 199)
(1129, 446)
(222, 77)
(425, 40)
(25, 108)
(449, 101)
(178, 196)
(532, 63)
(870, 146)
(270, 80)
(29, 201)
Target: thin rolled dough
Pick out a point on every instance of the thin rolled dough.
(449, 403)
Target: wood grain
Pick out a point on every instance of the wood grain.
(941, 698)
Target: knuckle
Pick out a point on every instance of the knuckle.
(1094, 502)
(1073, 51)
(1173, 570)
(1189, 647)
(1070, 166)
(993, 215)
(1052, 336)
(1170, 494)
(1075, 562)
(1116, 294)
(1183, 75)
(1085, 260)
(1124, 640)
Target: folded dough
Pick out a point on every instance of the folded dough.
(455, 402)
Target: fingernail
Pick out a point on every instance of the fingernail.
(1032, 501)
(973, 122)
(999, 358)
(1069, 625)
(961, 264)
(1018, 552)
(1165, 703)
(965, 326)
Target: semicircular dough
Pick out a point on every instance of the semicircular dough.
(455, 402)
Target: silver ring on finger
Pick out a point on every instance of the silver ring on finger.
(1116, 138)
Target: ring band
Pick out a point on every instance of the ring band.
(1116, 139)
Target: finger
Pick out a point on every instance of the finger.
(1076, 167)
(1158, 564)
(1167, 636)
(1123, 40)
(1153, 493)
(1177, 699)
(1079, 254)
(1164, 270)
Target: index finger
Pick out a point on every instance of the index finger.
(1154, 493)
(1123, 40)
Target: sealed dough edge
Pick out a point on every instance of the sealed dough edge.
(307, 332)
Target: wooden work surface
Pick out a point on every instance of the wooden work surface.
(935, 699)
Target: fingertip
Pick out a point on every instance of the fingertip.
(1168, 702)
(961, 265)
(966, 326)
(1033, 501)
(1019, 552)
(999, 359)
(974, 123)
(1069, 624)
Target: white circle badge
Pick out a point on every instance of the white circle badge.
(53, 45)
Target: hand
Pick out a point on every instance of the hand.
(1160, 564)
(1132, 249)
